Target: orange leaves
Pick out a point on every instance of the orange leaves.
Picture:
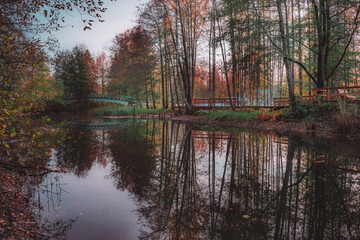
(19, 224)
(267, 116)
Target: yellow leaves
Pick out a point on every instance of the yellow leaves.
(246, 216)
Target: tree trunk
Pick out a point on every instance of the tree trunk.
(286, 49)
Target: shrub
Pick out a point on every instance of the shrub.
(347, 119)
(268, 116)
(310, 112)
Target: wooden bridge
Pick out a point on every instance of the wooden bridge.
(331, 94)
(218, 135)
(98, 97)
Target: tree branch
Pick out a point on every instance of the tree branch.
(347, 45)
(301, 64)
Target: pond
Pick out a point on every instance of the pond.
(154, 179)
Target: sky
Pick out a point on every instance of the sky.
(121, 15)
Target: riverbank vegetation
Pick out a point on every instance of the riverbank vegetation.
(347, 119)
(26, 84)
(337, 119)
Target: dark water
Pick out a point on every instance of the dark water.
(152, 179)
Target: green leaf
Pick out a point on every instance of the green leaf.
(13, 131)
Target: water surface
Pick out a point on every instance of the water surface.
(150, 179)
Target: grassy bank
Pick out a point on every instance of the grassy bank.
(338, 118)
(228, 115)
(127, 111)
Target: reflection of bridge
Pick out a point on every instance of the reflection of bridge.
(103, 126)
(98, 97)
(217, 135)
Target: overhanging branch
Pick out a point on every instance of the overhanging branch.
(301, 64)
(356, 22)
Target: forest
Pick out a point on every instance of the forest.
(249, 52)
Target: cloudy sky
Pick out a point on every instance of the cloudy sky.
(120, 16)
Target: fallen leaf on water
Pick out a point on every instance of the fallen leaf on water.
(246, 216)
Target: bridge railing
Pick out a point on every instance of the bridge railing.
(281, 102)
(335, 94)
(101, 96)
(331, 94)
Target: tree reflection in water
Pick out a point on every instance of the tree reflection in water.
(134, 158)
(80, 148)
(217, 185)
(197, 184)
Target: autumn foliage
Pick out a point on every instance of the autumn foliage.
(132, 69)
(268, 115)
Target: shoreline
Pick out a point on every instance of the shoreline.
(320, 129)
(280, 128)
